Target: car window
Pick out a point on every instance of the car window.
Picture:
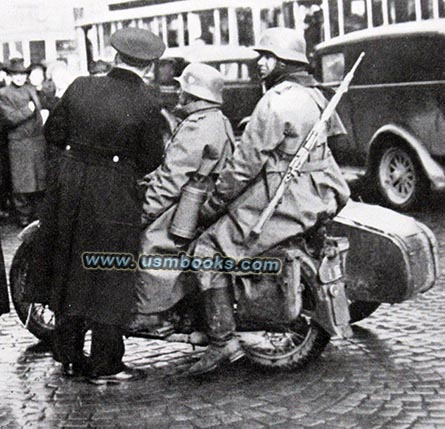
(413, 59)
(234, 71)
(333, 67)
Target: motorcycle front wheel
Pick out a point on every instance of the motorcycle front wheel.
(299, 343)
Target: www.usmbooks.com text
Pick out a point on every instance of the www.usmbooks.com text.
(180, 262)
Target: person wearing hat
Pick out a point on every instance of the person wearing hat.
(45, 88)
(108, 129)
(203, 130)
(20, 111)
(280, 122)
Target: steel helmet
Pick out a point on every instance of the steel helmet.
(285, 43)
(202, 81)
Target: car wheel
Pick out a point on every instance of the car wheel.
(400, 179)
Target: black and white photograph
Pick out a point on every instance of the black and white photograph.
(222, 214)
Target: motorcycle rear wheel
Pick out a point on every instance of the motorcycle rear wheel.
(37, 318)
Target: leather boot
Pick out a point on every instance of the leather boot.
(224, 346)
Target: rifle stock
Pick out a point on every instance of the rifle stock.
(303, 152)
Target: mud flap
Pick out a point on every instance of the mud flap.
(332, 308)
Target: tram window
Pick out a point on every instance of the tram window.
(19, 48)
(288, 15)
(271, 18)
(201, 27)
(147, 24)
(173, 31)
(186, 29)
(355, 17)
(107, 33)
(333, 67)
(245, 26)
(224, 26)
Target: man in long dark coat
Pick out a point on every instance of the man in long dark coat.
(109, 129)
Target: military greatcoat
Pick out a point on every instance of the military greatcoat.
(204, 125)
(109, 130)
(278, 126)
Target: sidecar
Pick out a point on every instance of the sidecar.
(392, 257)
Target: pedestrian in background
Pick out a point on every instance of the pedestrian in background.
(20, 111)
(5, 171)
(109, 130)
(46, 89)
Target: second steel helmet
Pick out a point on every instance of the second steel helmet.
(202, 81)
(285, 43)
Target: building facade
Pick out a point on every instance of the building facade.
(39, 31)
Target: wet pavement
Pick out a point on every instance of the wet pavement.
(391, 374)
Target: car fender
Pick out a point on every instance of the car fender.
(432, 169)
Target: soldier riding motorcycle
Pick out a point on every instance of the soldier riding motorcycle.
(284, 320)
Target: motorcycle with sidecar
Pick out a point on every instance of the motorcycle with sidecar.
(370, 255)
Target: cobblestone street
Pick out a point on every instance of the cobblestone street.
(391, 374)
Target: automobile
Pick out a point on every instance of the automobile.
(394, 111)
(242, 88)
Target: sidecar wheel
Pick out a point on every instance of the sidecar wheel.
(37, 318)
(359, 310)
(302, 343)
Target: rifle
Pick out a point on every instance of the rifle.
(305, 149)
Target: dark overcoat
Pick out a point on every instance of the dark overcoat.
(4, 299)
(27, 147)
(108, 128)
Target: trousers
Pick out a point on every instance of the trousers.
(107, 345)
